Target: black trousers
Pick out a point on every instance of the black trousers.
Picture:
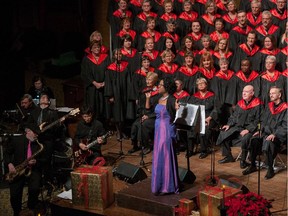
(16, 191)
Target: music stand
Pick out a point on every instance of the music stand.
(188, 118)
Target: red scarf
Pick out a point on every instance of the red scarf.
(202, 97)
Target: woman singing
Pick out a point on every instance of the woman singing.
(164, 165)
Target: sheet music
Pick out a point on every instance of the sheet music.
(64, 109)
(185, 117)
(202, 119)
(66, 195)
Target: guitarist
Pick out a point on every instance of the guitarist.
(88, 130)
(43, 116)
(15, 154)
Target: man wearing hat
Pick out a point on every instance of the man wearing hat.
(24, 151)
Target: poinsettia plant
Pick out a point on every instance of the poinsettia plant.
(248, 204)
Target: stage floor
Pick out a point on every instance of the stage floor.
(274, 189)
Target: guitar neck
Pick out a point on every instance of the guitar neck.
(54, 123)
(92, 144)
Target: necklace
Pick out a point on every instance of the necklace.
(164, 98)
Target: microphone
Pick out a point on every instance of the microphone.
(146, 90)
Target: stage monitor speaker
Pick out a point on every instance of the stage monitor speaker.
(186, 176)
(130, 173)
(234, 184)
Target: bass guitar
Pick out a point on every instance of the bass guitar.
(73, 112)
(81, 155)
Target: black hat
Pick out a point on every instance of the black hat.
(33, 127)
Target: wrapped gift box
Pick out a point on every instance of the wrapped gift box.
(211, 198)
(185, 207)
(92, 187)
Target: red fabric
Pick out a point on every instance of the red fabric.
(270, 31)
(143, 17)
(253, 75)
(121, 15)
(278, 109)
(270, 52)
(275, 77)
(118, 68)
(188, 16)
(225, 76)
(128, 54)
(186, 71)
(206, 17)
(243, 31)
(166, 16)
(207, 95)
(215, 36)
(251, 19)
(208, 74)
(249, 52)
(174, 36)
(167, 70)
(102, 57)
(227, 55)
(228, 19)
(130, 32)
(181, 95)
(143, 73)
(156, 36)
(275, 13)
(255, 102)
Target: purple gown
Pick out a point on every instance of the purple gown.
(164, 164)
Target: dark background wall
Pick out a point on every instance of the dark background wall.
(36, 31)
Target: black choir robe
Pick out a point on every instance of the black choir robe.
(274, 121)
(184, 22)
(238, 35)
(266, 82)
(164, 71)
(116, 86)
(229, 23)
(241, 80)
(263, 53)
(94, 71)
(216, 57)
(208, 24)
(188, 76)
(154, 57)
(254, 21)
(245, 116)
(261, 33)
(244, 52)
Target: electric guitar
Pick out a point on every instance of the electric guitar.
(81, 155)
(71, 113)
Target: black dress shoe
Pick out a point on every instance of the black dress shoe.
(189, 154)
(227, 159)
(270, 174)
(146, 151)
(134, 149)
(203, 155)
(249, 170)
(243, 164)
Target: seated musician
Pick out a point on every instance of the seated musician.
(206, 98)
(89, 129)
(241, 125)
(273, 132)
(16, 157)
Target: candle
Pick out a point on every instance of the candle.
(223, 196)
